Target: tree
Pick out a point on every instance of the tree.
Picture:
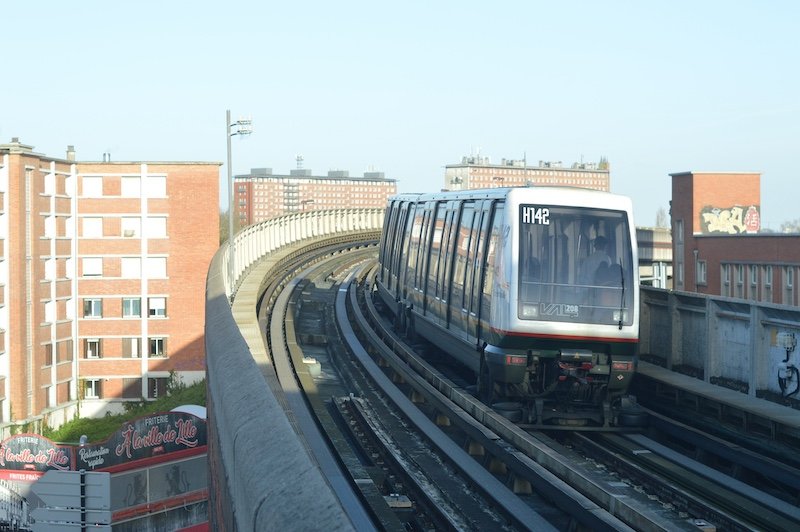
(661, 218)
(791, 227)
(223, 227)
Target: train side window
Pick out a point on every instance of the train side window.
(471, 257)
(462, 242)
(445, 279)
(479, 261)
(415, 243)
(435, 254)
(402, 260)
(424, 249)
(495, 247)
(389, 222)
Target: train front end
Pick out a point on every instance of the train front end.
(565, 320)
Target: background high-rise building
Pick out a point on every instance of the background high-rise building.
(261, 195)
(102, 279)
(479, 172)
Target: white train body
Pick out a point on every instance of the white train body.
(513, 284)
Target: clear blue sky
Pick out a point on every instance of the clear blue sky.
(408, 87)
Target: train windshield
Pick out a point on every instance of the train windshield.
(575, 265)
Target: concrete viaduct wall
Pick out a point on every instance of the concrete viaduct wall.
(261, 475)
(730, 342)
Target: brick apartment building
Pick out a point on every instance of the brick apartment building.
(102, 280)
(261, 195)
(717, 244)
(478, 172)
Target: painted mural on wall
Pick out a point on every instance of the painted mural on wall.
(730, 220)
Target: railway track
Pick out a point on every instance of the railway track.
(491, 474)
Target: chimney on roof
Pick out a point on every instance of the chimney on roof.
(70, 152)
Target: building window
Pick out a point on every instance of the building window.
(131, 226)
(131, 388)
(92, 266)
(157, 307)
(679, 231)
(131, 307)
(91, 389)
(131, 268)
(701, 272)
(92, 186)
(48, 354)
(789, 276)
(740, 274)
(92, 227)
(92, 308)
(131, 186)
(157, 387)
(92, 348)
(768, 275)
(156, 186)
(130, 348)
(158, 347)
(156, 227)
(156, 267)
(753, 275)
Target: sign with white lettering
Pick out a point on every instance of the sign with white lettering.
(144, 438)
(31, 452)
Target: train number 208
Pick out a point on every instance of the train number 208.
(535, 215)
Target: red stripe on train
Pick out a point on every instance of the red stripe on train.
(567, 337)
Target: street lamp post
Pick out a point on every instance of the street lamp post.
(240, 127)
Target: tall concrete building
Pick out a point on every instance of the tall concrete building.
(479, 172)
(261, 195)
(102, 280)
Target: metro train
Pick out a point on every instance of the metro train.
(534, 289)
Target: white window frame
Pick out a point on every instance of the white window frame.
(131, 226)
(155, 227)
(136, 350)
(768, 275)
(156, 186)
(127, 303)
(95, 305)
(91, 388)
(92, 266)
(92, 227)
(131, 267)
(131, 186)
(160, 344)
(97, 352)
(702, 272)
(157, 307)
(156, 267)
(92, 186)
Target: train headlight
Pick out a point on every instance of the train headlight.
(530, 311)
(620, 315)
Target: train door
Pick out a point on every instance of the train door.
(420, 299)
(440, 253)
(400, 237)
(387, 243)
(450, 254)
(402, 267)
(475, 272)
(461, 261)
